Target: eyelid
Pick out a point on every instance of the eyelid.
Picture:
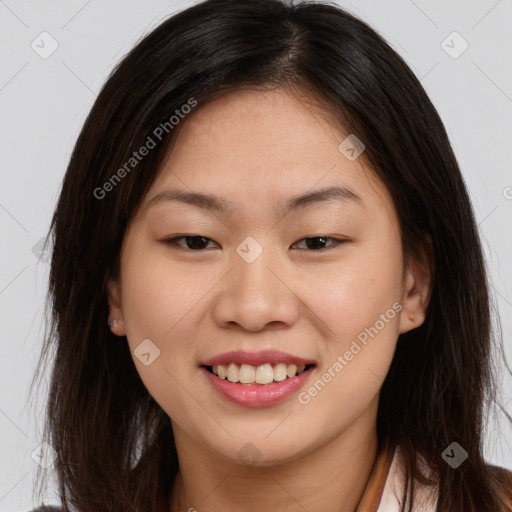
(172, 241)
(337, 242)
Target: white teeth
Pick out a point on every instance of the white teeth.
(291, 370)
(232, 373)
(280, 372)
(247, 374)
(263, 374)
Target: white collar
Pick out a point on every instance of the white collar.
(425, 498)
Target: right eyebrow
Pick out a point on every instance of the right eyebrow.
(219, 204)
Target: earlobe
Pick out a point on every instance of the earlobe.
(417, 287)
(115, 319)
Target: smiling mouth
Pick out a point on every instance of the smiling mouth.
(257, 375)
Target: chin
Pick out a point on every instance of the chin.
(262, 452)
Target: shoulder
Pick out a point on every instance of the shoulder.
(503, 478)
(47, 508)
(503, 474)
(425, 496)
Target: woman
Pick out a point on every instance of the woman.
(267, 283)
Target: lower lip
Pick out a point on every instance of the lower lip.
(257, 395)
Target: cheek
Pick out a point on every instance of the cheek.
(161, 303)
(351, 294)
(344, 392)
(158, 296)
(360, 303)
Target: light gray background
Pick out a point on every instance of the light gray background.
(44, 102)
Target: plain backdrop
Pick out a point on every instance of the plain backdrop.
(44, 100)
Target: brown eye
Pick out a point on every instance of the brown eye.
(317, 243)
(193, 242)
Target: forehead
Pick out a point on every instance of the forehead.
(255, 122)
(254, 145)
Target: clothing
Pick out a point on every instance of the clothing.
(47, 508)
(384, 490)
(385, 487)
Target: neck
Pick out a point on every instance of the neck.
(328, 478)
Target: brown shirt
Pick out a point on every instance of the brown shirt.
(374, 488)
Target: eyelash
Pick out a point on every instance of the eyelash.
(173, 241)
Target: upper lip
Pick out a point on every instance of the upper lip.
(256, 358)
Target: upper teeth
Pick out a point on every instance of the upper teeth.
(263, 374)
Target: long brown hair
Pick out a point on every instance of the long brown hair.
(115, 446)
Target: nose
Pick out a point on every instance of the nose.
(256, 296)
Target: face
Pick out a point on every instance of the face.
(323, 281)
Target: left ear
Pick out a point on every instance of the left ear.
(116, 315)
(417, 285)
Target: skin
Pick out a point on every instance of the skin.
(256, 149)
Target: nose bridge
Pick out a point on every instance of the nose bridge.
(254, 293)
(252, 267)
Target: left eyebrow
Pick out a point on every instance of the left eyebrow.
(219, 204)
(329, 194)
